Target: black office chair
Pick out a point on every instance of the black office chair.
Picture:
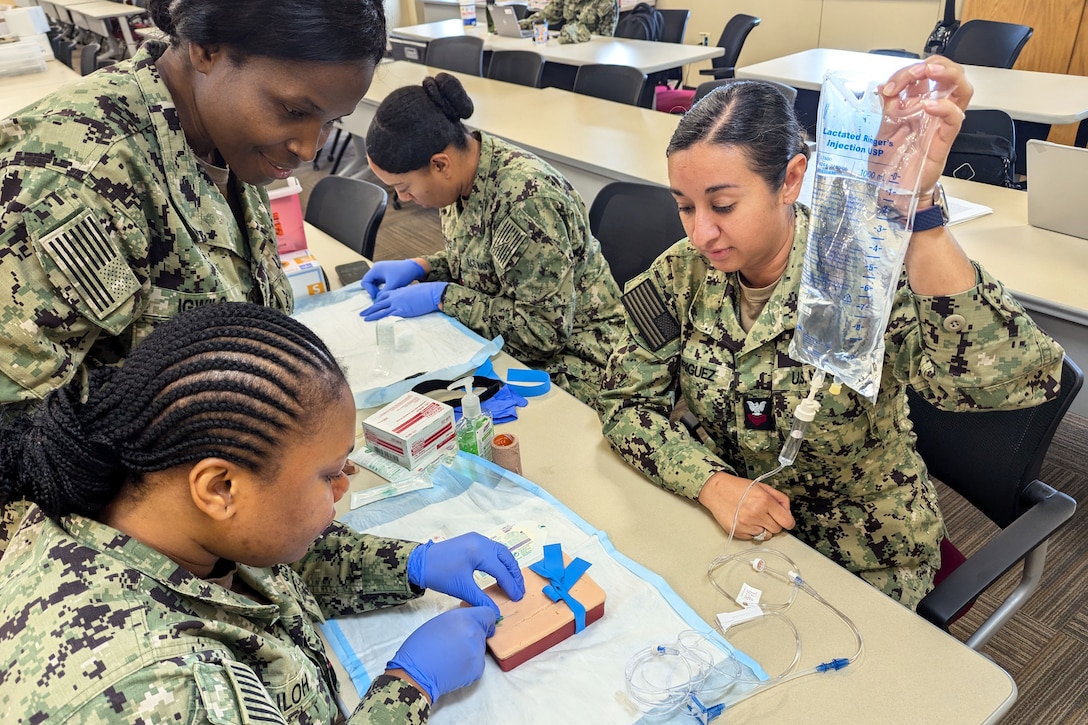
(985, 149)
(988, 42)
(634, 224)
(63, 49)
(88, 58)
(992, 459)
(675, 27)
(620, 83)
(704, 88)
(459, 53)
(732, 40)
(350, 210)
(520, 10)
(523, 67)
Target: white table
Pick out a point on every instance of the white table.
(22, 90)
(910, 671)
(95, 17)
(1048, 98)
(59, 9)
(646, 56)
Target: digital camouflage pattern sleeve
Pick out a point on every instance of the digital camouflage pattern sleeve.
(350, 573)
(524, 264)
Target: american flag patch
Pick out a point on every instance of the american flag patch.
(84, 252)
(255, 701)
(507, 240)
(653, 320)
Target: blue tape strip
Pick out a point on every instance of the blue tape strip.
(562, 578)
(526, 383)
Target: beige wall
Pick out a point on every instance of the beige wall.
(792, 25)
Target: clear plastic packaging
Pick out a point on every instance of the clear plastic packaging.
(868, 157)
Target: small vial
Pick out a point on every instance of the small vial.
(387, 343)
(386, 336)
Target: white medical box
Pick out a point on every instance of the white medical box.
(304, 273)
(410, 429)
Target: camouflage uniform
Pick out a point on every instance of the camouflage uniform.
(109, 226)
(599, 16)
(96, 627)
(858, 490)
(525, 266)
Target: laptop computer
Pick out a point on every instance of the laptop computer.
(506, 22)
(1057, 177)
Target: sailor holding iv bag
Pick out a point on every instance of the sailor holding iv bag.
(715, 315)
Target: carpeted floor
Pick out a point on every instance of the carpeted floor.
(1045, 647)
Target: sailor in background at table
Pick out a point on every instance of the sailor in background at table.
(182, 543)
(520, 260)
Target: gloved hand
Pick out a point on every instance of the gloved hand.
(448, 566)
(447, 652)
(411, 301)
(391, 275)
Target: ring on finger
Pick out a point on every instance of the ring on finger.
(760, 536)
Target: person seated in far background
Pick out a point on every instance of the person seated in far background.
(520, 260)
(181, 545)
(597, 16)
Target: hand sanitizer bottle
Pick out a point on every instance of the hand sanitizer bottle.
(474, 430)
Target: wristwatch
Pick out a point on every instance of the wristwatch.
(936, 215)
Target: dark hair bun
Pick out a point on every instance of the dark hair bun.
(446, 92)
(159, 10)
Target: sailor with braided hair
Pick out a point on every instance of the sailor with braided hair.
(180, 544)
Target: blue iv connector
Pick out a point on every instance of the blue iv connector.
(836, 664)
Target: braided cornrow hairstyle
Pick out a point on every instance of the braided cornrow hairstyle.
(226, 380)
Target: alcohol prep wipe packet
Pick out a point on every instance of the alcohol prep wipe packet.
(869, 154)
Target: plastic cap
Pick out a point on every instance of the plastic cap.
(806, 410)
(470, 402)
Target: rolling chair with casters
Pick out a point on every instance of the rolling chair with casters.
(458, 53)
(704, 88)
(634, 224)
(992, 459)
(676, 25)
(732, 40)
(349, 210)
(524, 67)
(620, 83)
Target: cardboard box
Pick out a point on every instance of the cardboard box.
(304, 273)
(410, 429)
(536, 623)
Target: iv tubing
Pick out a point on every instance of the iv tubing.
(805, 412)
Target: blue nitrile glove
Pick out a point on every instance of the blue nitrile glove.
(411, 301)
(391, 275)
(448, 566)
(447, 652)
(503, 406)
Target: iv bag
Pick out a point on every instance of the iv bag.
(868, 159)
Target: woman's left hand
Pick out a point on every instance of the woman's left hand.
(914, 80)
